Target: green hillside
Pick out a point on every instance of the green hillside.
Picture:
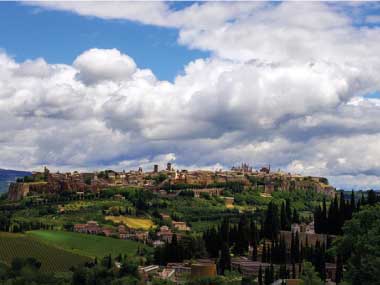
(52, 258)
(87, 245)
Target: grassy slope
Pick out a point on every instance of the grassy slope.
(88, 245)
(52, 258)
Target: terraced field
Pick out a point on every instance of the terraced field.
(52, 258)
(87, 245)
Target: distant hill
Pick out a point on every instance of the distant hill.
(8, 176)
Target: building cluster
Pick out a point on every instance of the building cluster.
(179, 272)
(264, 180)
(122, 232)
(163, 234)
(306, 234)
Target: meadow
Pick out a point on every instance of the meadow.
(87, 245)
(51, 257)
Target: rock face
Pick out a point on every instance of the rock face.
(54, 185)
(17, 191)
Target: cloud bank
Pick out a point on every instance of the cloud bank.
(286, 84)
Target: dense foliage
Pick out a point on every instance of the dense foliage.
(360, 246)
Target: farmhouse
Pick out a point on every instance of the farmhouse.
(91, 227)
(181, 226)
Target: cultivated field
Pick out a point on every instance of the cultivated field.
(52, 258)
(87, 245)
(135, 223)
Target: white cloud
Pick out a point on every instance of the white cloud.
(284, 85)
(97, 65)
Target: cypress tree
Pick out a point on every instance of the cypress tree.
(296, 217)
(109, 261)
(225, 230)
(342, 212)
(269, 254)
(363, 200)
(282, 274)
(296, 248)
(358, 206)
(253, 231)
(260, 278)
(283, 219)
(271, 222)
(267, 279)
(292, 249)
(264, 253)
(241, 244)
(317, 219)
(283, 250)
(225, 259)
(254, 250)
(288, 213)
(353, 202)
(271, 274)
(339, 269)
(324, 226)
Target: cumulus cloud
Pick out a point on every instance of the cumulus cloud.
(285, 85)
(96, 65)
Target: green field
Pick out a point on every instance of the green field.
(52, 258)
(87, 245)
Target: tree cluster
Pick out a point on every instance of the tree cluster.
(275, 221)
(187, 247)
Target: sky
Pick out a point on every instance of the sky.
(89, 86)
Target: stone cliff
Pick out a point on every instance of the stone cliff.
(17, 191)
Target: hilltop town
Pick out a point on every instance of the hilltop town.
(170, 226)
(168, 179)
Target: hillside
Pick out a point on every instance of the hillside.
(7, 176)
(86, 245)
(51, 257)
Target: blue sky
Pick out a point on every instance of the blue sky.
(59, 37)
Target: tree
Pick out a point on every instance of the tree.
(371, 197)
(264, 253)
(339, 269)
(296, 217)
(285, 223)
(267, 277)
(242, 239)
(288, 211)
(309, 276)
(360, 246)
(225, 259)
(271, 222)
(260, 277)
(294, 274)
(254, 250)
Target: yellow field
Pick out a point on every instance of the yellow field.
(136, 223)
